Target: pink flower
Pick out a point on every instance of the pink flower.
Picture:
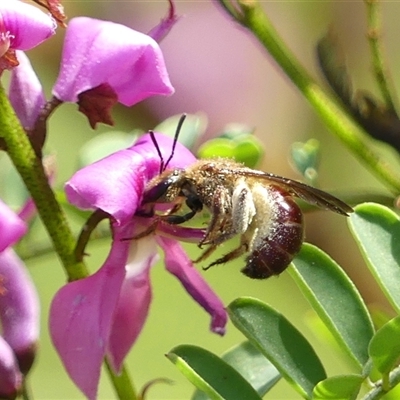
(114, 61)
(159, 32)
(12, 228)
(19, 309)
(104, 313)
(26, 92)
(22, 27)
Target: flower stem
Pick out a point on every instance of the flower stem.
(30, 167)
(122, 383)
(252, 16)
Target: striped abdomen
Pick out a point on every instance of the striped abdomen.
(272, 253)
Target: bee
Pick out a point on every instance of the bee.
(258, 206)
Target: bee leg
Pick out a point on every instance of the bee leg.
(148, 231)
(229, 256)
(179, 219)
(174, 209)
(221, 205)
(195, 206)
(205, 254)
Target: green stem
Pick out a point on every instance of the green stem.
(30, 167)
(26, 392)
(342, 125)
(374, 36)
(379, 391)
(122, 383)
(32, 173)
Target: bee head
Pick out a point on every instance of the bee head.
(164, 187)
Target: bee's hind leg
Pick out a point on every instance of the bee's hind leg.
(206, 253)
(243, 247)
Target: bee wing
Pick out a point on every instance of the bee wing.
(305, 192)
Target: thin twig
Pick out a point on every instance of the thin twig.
(374, 34)
(378, 391)
(334, 116)
(86, 231)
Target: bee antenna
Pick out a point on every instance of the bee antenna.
(153, 139)
(177, 132)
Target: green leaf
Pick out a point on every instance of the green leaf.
(211, 374)
(376, 230)
(252, 365)
(335, 299)
(384, 348)
(193, 127)
(244, 148)
(280, 342)
(217, 147)
(249, 151)
(103, 145)
(338, 387)
(380, 315)
(234, 129)
(305, 157)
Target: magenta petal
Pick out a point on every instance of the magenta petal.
(159, 32)
(19, 309)
(27, 25)
(134, 301)
(81, 317)
(26, 93)
(10, 376)
(181, 233)
(178, 263)
(12, 228)
(115, 184)
(97, 52)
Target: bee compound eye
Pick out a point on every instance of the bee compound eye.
(157, 191)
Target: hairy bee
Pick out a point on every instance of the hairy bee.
(258, 206)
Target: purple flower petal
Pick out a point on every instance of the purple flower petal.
(25, 24)
(182, 233)
(19, 309)
(177, 262)
(98, 52)
(81, 317)
(159, 32)
(10, 375)
(26, 93)
(134, 300)
(12, 228)
(115, 184)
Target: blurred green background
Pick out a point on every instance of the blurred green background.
(218, 69)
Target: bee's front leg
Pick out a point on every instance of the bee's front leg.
(194, 204)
